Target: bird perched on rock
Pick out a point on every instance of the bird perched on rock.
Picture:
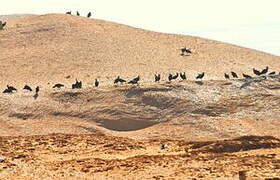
(264, 71)
(9, 89)
(135, 80)
(2, 25)
(119, 80)
(272, 73)
(58, 85)
(183, 76)
(256, 72)
(37, 89)
(170, 77)
(157, 78)
(96, 83)
(27, 88)
(234, 75)
(200, 76)
(89, 14)
(247, 76)
(175, 76)
(226, 76)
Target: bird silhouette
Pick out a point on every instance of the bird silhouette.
(78, 14)
(200, 76)
(96, 83)
(226, 76)
(185, 50)
(11, 88)
(264, 71)
(37, 89)
(58, 85)
(256, 72)
(2, 25)
(234, 75)
(157, 78)
(135, 80)
(272, 73)
(119, 80)
(183, 76)
(170, 77)
(247, 76)
(175, 76)
(69, 12)
(27, 88)
(89, 14)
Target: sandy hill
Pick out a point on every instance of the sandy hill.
(47, 48)
(209, 129)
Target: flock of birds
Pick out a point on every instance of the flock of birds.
(78, 14)
(157, 78)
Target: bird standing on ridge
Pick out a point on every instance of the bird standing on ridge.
(247, 76)
(96, 83)
(89, 14)
(118, 79)
(78, 14)
(58, 85)
(2, 25)
(256, 72)
(183, 76)
(27, 88)
(200, 76)
(157, 78)
(264, 71)
(37, 89)
(135, 80)
(226, 76)
(234, 75)
(170, 77)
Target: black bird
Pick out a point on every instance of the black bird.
(37, 89)
(175, 76)
(27, 88)
(157, 78)
(170, 77)
(185, 50)
(96, 83)
(234, 75)
(89, 14)
(78, 14)
(226, 76)
(183, 76)
(35, 96)
(69, 12)
(200, 76)
(11, 88)
(118, 79)
(58, 85)
(77, 85)
(2, 25)
(7, 91)
(135, 80)
(264, 71)
(256, 72)
(247, 76)
(272, 73)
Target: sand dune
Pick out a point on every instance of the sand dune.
(47, 48)
(213, 128)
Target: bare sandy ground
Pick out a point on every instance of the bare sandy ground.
(213, 128)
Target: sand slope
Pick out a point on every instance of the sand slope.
(47, 48)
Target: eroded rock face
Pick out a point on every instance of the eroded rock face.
(216, 109)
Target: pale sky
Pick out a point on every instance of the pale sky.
(249, 23)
